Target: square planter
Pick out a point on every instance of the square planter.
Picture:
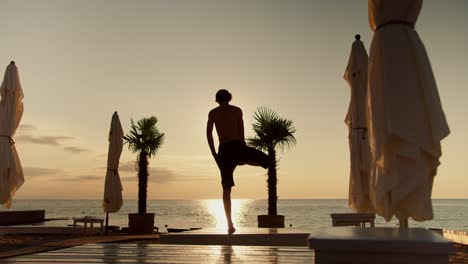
(270, 221)
(141, 223)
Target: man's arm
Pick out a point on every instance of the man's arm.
(209, 135)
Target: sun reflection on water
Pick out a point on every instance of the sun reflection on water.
(215, 207)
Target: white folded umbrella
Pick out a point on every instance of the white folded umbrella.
(406, 122)
(356, 76)
(113, 188)
(11, 112)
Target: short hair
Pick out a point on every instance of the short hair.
(223, 96)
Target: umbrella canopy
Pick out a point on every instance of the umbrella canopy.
(11, 111)
(356, 76)
(405, 118)
(113, 187)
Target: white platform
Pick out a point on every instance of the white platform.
(350, 245)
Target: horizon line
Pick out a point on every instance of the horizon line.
(165, 199)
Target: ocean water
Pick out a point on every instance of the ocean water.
(302, 214)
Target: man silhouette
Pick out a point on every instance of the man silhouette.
(232, 150)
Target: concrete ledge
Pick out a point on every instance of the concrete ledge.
(66, 230)
(280, 239)
(340, 245)
(243, 236)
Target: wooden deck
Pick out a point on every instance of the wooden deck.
(54, 244)
(163, 253)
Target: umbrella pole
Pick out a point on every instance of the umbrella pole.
(107, 223)
(403, 223)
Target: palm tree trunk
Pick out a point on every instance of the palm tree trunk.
(142, 181)
(272, 181)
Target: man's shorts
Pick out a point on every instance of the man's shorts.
(233, 153)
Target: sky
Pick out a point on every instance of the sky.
(79, 61)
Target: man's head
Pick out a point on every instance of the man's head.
(223, 96)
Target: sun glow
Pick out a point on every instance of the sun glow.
(216, 209)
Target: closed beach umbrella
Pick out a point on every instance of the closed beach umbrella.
(113, 187)
(406, 122)
(356, 76)
(11, 111)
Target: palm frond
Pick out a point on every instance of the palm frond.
(271, 130)
(284, 133)
(144, 136)
(257, 143)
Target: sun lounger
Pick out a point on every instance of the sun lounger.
(353, 219)
(86, 221)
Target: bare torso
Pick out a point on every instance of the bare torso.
(228, 121)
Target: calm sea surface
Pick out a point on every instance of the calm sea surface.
(310, 213)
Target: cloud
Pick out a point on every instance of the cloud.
(43, 140)
(129, 166)
(188, 158)
(26, 127)
(156, 174)
(162, 175)
(34, 171)
(75, 150)
(159, 175)
(101, 155)
(27, 133)
(196, 178)
(82, 178)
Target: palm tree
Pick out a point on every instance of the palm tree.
(272, 131)
(145, 140)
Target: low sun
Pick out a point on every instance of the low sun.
(216, 209)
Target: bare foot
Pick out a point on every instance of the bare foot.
(231, 230)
